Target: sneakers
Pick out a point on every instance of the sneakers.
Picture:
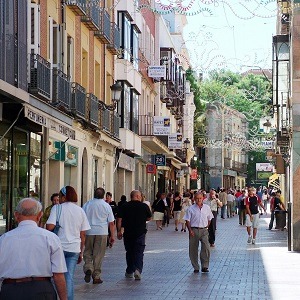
(87, 277)
(97, 280)
(253, 241)
(249, 239)
(137, 275)
(204, 270)
(128, 275)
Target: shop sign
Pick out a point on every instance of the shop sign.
(175, 141)
(264, 167)
(151, 169)
(157, 71)
(194, 174)
(161, 125)
(37, 117)
(160, 160)
(71, 155)
(57, 150)
(267, 144)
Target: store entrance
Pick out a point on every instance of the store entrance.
(20, 172)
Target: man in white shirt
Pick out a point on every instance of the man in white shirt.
(100, 217)
(198, 218)
(30, 257)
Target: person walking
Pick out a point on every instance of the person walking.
(167, 213)
(54, 200)
(198, 217)
(223, 199)
(73, 224)
(133, 217)
(242, 208)
(214, 203)
(176, 208)
(252, 214)
(100, 217)
(272, 210)
(185, 205)
(158, 208)
(30, 257)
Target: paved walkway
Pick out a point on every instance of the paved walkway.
(266, 270)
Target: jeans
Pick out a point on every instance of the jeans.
(272, 220)
(223, 211)
(134, 247)
(71, 262)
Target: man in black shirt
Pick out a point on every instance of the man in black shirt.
(132, 216)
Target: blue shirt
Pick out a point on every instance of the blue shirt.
(99, 214)
(198, 217)
(30, 251)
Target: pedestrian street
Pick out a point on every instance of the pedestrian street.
(266, 270)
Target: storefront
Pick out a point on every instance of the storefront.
(20, 162)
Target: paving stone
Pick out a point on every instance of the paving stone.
(264, 271)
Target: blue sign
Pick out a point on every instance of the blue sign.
(160, 160)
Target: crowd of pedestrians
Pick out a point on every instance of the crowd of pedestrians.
(85, 233)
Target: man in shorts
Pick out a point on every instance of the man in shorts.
(252, 214)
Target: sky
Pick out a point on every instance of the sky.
(232, 34)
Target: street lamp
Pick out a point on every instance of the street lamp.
(186, 146)
(116, 90)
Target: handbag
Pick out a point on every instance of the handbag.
(58, 213)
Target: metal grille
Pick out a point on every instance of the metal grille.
(94, 109)
(106, 120)
(78, 100)
(116, 125)
(40, 76)
(61, 88)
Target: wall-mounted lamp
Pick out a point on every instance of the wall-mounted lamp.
(116, 90)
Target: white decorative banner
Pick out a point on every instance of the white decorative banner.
(175, 141)
(161, 125)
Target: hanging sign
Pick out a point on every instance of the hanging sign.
(151, 169)
(161, 125)
(175, 141)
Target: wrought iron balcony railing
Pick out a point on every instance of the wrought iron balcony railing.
(116, 125)
(77, 6)
(78, 100)
(40, 82)
(61, 88)
(106, 120)
(116, 39)
(92, 17)
(93, 105)
(104, 33)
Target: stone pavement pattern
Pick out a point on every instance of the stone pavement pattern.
(266, 270)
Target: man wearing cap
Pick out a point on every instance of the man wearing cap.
(30, 257)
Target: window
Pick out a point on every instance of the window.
(129, 109)
(55, 38)
(125, 27)
(135, 113)
(135, 48)
(70, 57)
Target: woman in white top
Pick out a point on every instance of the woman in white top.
(73, 224)
(185, 205)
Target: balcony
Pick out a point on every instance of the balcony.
(155, 143)
(92, 17)
(40, 82)
(104, 33)
(238, 166)
(106, 121)
(114, 47)
(115, 125)
(77, 6)
(61, 89)
(78, 105)
(227, 162)
(93, 105)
